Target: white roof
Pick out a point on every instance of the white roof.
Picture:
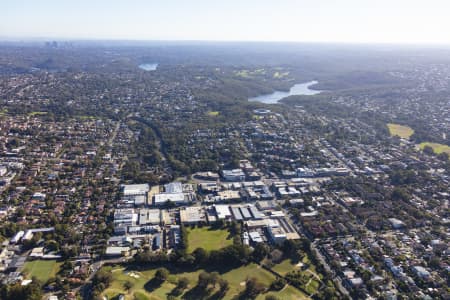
(125, 214)
(173, 187)
(17, 236)
(223, 211)
(152, 216)
(173, 197)
(27, 282)
(38, 195)
(116, 250)
(133, 189)
(309, 214)
(191, 214)
(255, 237)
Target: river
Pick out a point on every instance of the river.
(148, 66)
(297, 89)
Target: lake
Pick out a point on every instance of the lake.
(298, 89)
(148, 67)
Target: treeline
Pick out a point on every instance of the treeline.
(143, 155)
(228, 257)
(17, 291)
(101, 281)
(231, 256)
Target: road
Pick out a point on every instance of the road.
(113, 136)
(336, 279)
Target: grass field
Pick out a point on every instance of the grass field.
(235, 277)
(402, 131)
(42, 269)
(208, 238)
(307, 268)
(249, 73)
(85, 117)
(285, 267)
(37, 113)
(280, 74)
(437, 148)
(288, 265)
(212, 113)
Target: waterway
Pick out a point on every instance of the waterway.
(297, 89)
(148, 66)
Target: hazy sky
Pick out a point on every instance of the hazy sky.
(391, 21)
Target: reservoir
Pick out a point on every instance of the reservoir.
(298, 89)
(148, 66)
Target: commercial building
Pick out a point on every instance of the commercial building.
(163, 198)
(173, 187)
(135, 189)
(276, 234)
(117, 251)
(192, 215)
(134, 194)
(149, 216)
(222, 212)
(233, 175)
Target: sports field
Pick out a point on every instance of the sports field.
(41, 269)
(437, 148)
(208, 238)
(213, 113)
(402, 131)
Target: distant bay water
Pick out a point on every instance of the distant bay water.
(148, 66)
(297, 89)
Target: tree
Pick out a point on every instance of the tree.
(253, 288)
(201, 256)
(203, 280)
(329, 293)
(224, 286)
(184, 239)
(128, 285)
(443, 156)
(161, 275)
(400, 194)
(102, 277)
(290, 248)
(434, 262)
(276, 256)
(235, 228)
(233, 255)
(183, 283)
(260, 252)
(17, 291)
(20, 212)
(186, 259)
(214, 278)
(278, 284)
(52, 245)
(428, 150)
(66, 267)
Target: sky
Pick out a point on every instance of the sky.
(349, 21)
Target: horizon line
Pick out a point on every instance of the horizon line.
(26, 39)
